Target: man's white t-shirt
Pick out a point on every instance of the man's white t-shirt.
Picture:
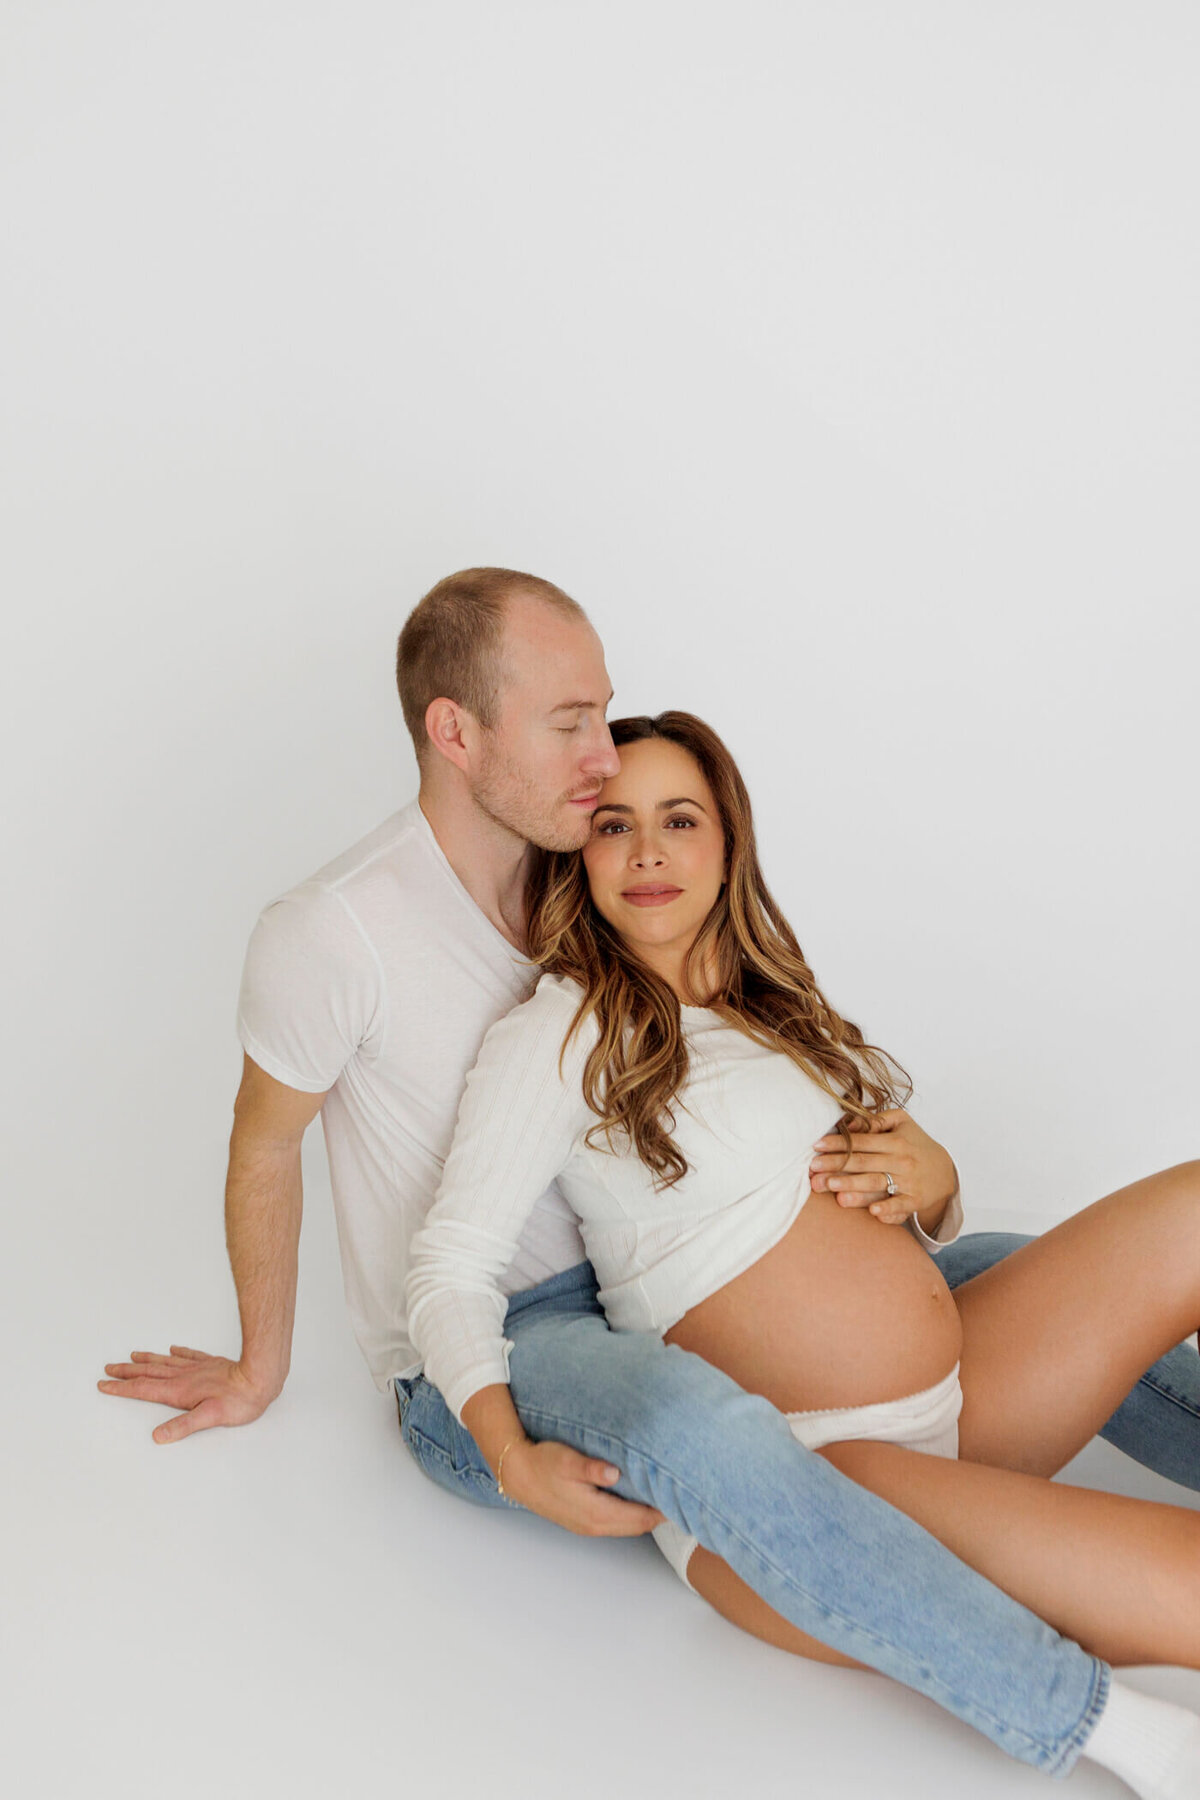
(375, 982)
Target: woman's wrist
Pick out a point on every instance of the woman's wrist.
(513, 1443)
(491, 1418)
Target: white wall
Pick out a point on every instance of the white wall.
(840, 357)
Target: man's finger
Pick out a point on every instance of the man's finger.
(147, 1356)
(183, 1424)
(139, 1388)
(132, 1371)
(195, 1355)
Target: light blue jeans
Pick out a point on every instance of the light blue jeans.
(837, 1561)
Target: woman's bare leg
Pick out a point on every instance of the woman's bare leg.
(1120, 1576)
(1055, 1336)
(729, 1595)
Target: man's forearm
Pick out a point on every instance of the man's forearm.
(263, 1204)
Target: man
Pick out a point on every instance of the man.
(366, 994)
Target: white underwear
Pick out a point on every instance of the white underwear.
(926, 1421)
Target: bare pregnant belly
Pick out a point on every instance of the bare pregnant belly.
(842, 1311)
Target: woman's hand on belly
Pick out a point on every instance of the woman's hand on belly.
(838, 1313)
(923, 1174)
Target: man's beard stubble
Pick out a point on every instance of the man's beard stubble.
(511, 800)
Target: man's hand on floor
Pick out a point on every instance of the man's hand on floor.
(211, 1390)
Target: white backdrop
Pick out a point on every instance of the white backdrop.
(841, 358)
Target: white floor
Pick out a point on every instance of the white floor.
(292, 1610)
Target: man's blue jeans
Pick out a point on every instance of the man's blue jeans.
(837, 1561)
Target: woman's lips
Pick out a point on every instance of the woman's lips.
(658, 895)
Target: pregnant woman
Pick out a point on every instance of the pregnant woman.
(673, 1070)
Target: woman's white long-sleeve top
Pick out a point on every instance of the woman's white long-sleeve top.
(746, 1122)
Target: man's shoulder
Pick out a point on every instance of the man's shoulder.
(399, 840)
(395, 854)
(325, 911)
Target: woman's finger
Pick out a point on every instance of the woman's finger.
(609, 1516)
(890, 1215)
(600, 1474)
(834, 1143)
(863, 1162)
(875, 1184)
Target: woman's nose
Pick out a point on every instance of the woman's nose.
(646, 854)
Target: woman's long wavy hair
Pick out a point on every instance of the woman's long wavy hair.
(745, 963)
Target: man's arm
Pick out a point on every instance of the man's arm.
(263, 1201)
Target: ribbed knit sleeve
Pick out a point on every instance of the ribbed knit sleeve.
(947, 1231)
(518, 1123)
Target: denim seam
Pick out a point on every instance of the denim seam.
(430, 1448)
(1097, 1701)
(1051, 1757)
(1170, 1394)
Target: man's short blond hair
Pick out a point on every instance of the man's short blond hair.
(450, 647)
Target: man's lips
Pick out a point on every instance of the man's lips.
(651, 894)
(588, 800)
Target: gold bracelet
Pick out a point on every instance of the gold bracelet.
(500, 1466)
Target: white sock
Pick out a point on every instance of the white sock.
(1151, 1744)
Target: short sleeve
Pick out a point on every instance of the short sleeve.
(312, 993)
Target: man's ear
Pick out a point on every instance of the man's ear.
(444, 726)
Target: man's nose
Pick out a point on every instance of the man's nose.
(602, 758)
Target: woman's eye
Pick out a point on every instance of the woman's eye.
(682, 819)
(611, 829)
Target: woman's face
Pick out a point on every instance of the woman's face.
(656, 857)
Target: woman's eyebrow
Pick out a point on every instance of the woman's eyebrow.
(663, 805)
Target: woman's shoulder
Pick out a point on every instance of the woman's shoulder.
(558, 991)
(544, 1019)
(533, 1053)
